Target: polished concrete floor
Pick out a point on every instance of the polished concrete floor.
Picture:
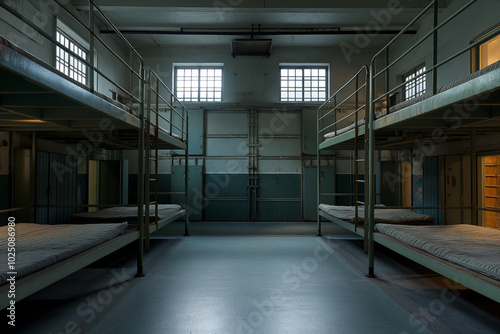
(256, 278)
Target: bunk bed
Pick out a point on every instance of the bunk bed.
(126, 214)
(437, 116)
(39, 102)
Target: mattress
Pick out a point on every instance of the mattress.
(39, 246)
(123, 214)
(387, 216)
(453, 84)
(473, 247)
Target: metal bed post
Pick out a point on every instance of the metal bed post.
(140, 176)
(33, 178)
(370, 176)
(147, 157)
(186, 171)
(435, 48)
(367, 170)
(318, 168)
(356, 143)
(473, 179)
(91, 45)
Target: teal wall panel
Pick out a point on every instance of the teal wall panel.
(432, 187)
(344, 186)
(310, 193)
(390, 191)
(280, 197)
(226, 197)
(195, 205)
(55, 186)
(280, 186)
(226, 210)
(195, 134)
(280, 210)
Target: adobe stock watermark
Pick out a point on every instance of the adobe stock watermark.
(364, 37)
(224, 6)
(97, 303)
(41, 17)
(292, 279)
(424, 317)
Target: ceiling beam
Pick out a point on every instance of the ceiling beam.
(259, 32)
(257, 4)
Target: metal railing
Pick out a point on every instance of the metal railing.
(131, 85)
(439, 58)
(356, 89)
(161, 97)
(134, 65)
(431, 9)
(354, 95)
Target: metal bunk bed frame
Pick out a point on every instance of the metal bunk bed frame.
(355, 88)
(89, 107)
(430, 110)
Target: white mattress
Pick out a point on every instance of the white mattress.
(473, 247)
(123, 214)
(39, 246)
(387, 216)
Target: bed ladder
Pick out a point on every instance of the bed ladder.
(152, 158)
(357, 180)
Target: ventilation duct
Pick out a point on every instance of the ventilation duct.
(251, 47)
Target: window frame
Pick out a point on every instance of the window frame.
(303, 67)
(198, 67)
(494, 32)
(76, 68)
(415, 81)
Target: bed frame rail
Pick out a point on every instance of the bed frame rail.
(354, 100)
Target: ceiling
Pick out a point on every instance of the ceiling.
(217, 22)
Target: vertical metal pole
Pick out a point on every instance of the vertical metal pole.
(473, 178)
(318, 168)
(356, 135)
(33, 179)
(370, 176)
(147, 168)
(367, 160)
(186, 177)
(91, 46)
(386, 78)
(435, 48)
(140, 177)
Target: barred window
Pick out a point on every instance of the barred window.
(198, 83)
(67, 63)
(304, 83)
(415, 84)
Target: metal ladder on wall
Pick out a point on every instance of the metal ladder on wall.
(253, 164)
(151, 158)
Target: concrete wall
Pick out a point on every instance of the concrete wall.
(452, 38)
(44, 16)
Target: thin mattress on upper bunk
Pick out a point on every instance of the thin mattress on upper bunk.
(420, 98)
(386, 216)
(39, 246)
(124, 214)
(473, 247)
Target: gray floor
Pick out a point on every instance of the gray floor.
(256, 278)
